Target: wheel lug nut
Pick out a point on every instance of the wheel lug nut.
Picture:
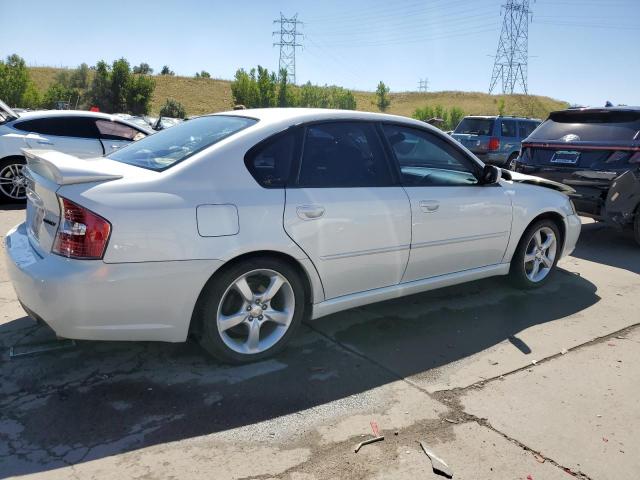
(248, 308)
(260, 317)
(264, 306)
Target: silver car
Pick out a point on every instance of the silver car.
(234, 227)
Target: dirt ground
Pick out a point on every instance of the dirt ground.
(500, 384)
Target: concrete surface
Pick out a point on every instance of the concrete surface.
(501, 384)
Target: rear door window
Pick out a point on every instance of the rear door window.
(110, 130)
(343, 154)
(508, 128)
(475, 126)
(270, 162)
(80, 127)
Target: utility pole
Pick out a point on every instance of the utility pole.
(288, 35)
(423, 85)
(512, 56)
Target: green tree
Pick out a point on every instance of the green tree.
(204, 74)
(244, 88)
(501, 106)
(172, 108)
(425, 113)
(456, 114)
(382, 97)
(14, 80)
(58, 92)
(31, 97)
(166, 71)
(79, 77)
(283, 98)
(139, 93)
(266, 88)
(100, 92)
(120, 81)
(143, 69)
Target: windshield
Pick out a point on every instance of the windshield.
(168, 147)
(475, 126)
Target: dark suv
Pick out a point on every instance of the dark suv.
(495, 140)
(596, 151)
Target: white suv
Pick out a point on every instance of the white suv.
(234, 227)
(79, 133)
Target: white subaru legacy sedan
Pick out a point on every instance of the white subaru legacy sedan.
(235, 227)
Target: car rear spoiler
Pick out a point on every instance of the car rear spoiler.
(64, 169)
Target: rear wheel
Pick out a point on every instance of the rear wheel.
(511, 162)
(251, 310)
(12, 182)
(537, 254)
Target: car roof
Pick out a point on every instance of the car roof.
(510, 117)
(620, 108)
(303, 115)
(38, 114)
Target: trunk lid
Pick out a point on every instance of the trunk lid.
(46, 171)
(6, 113)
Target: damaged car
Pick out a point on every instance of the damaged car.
(596, 152)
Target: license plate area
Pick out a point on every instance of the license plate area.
(565, 157)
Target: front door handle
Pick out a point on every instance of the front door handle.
(429, 206)
(310, 212)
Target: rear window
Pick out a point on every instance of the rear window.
(475, 126)
(580, 126)
(169, 147)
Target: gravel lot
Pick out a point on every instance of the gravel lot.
(500, 384)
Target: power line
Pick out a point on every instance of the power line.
(423, 85)
(288, 43)
(511, 61)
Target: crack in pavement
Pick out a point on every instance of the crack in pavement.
(450, 398)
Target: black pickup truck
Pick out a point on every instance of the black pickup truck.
(596, 151)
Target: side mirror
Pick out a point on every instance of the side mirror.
(490, 175)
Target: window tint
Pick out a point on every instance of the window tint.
(117, 131)
(343, 154)
(426, 160)
(475, 126)
(61, 126)
(589, 128)
(525, 128)
(168, 147)
(508, 128)
(270, 162)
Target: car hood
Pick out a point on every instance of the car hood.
(541, 182)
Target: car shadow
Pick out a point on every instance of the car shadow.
(600, 243)
(105, 398)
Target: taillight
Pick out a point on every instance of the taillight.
(82, 234)
(494, 144)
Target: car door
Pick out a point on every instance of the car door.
(509, 140)
(457, 224)
(75, 136)
(346, 210)
(114, 134)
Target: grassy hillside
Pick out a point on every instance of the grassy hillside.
(203, 95)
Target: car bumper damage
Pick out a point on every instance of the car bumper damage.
(94, 300)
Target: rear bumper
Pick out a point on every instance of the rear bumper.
(573, 227)
(93, 300)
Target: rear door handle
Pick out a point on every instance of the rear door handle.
(429, 206)
(310, 212)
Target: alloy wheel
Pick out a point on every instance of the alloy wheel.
(12, 181)
(540, 254)
(256, 311)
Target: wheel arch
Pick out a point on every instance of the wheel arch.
(556, 218)
(305, 275)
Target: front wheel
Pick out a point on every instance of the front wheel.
(251, 310)
(12, 182)
(537, 254)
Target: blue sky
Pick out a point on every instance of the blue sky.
(584, 52)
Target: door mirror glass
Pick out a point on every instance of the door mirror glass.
(491, 175)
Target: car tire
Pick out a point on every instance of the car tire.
(534, 261)
(12, 184)
(238, 330)
(511, 162)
